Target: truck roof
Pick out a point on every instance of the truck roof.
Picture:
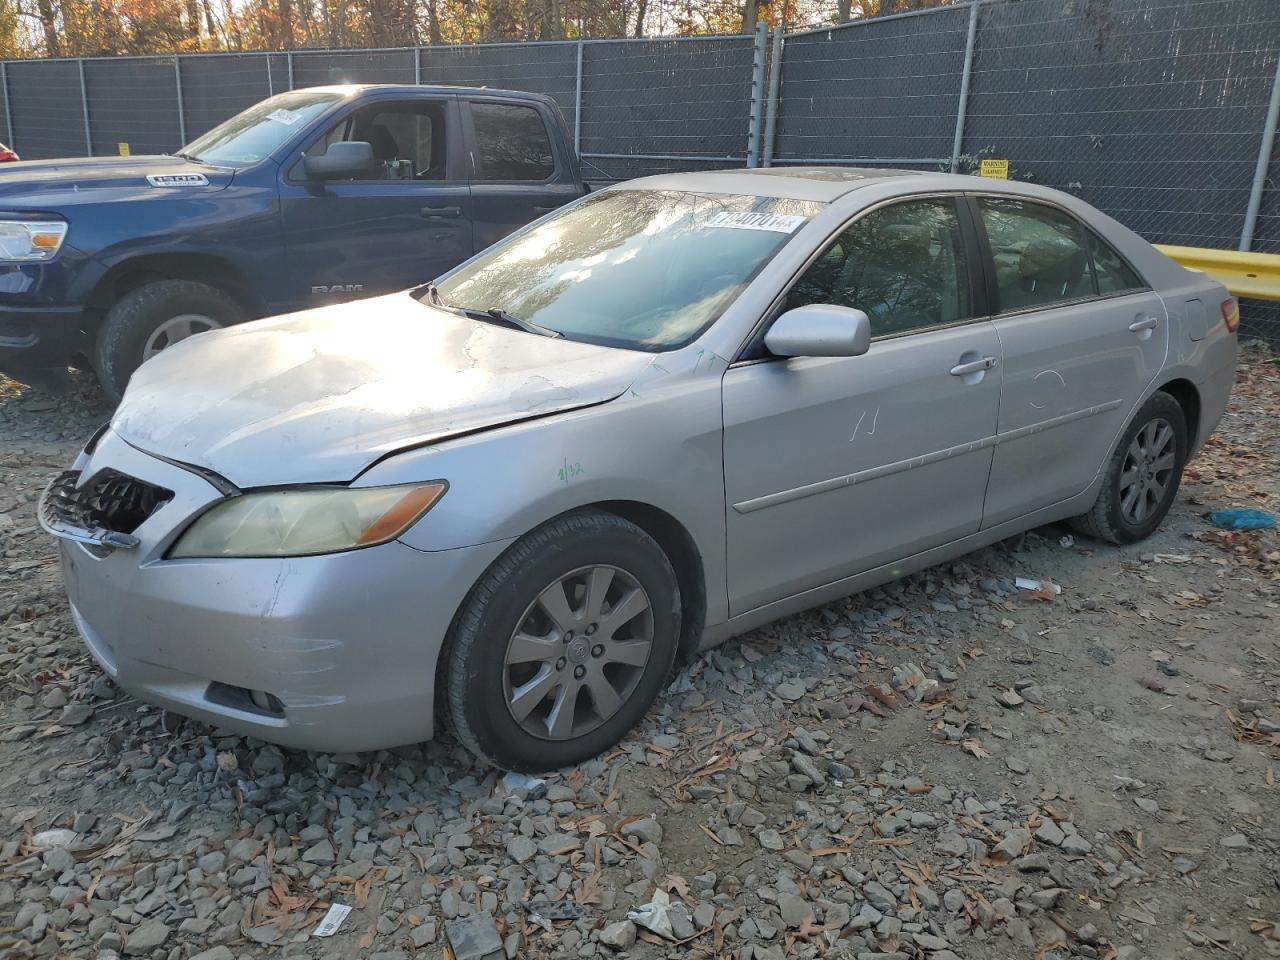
(411, 90)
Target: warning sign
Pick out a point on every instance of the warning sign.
(123, 148)
(995, 169)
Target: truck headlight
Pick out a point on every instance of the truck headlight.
(24, 240)
(305, 521)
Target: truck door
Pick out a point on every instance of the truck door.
(517, 172)
(406, 223)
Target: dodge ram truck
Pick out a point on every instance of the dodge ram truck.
(310, 197)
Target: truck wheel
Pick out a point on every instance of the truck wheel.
(152, 317)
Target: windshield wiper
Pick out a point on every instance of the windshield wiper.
(192, 157)
(492, 315)
(511, 320)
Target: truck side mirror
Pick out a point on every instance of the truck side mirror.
(342, 161)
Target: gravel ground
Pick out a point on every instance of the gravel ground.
(946, 767)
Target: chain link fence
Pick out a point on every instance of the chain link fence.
(1152, 110)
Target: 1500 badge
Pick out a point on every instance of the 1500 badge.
(178, 180)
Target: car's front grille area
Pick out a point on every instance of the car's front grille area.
(109, 501)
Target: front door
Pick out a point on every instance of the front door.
(1083, 337)
(407, 223)
(834, 466)
(517, 173)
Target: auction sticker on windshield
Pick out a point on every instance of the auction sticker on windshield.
(287, 117)
(775, 222)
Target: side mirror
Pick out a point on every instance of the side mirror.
(820, 330)
(342, 161)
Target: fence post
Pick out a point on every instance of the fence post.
(8, 113)
(577, 104)
(182, 110)
(84, 103)
(271, 82)
(290, 58)
(775, 84)
(963, 107)
(417, 66)
(757, 94)
(1264, 160)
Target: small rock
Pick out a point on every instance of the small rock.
(619, 936)
(146, 937)
(646, 830)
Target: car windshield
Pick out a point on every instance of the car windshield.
(256, 133)
(641, 269)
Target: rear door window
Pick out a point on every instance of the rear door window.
(511, 143)
(1040, 254)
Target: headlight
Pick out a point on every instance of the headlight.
(31, 239)
(306, 521)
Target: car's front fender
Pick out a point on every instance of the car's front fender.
(658, 445)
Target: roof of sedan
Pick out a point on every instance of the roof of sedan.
(822, 184)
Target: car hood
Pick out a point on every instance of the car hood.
(318, 396)
(37, 183)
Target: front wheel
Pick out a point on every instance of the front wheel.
(1143, 476)
(153, 317)
(563, 644)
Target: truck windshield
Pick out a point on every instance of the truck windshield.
(250, 136)
(640, 269)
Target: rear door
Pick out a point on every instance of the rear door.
(1082, 335)
(833, 466)
(408, 222)
(518, 168)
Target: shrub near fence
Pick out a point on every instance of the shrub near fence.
(1152, 110)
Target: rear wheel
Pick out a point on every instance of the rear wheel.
(563, 644)
(153, 317)
(1143, 476)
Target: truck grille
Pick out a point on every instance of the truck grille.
(109, 501)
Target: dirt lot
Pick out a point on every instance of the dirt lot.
(1090, 773)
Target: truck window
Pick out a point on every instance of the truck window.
(408, 139)
(511, 142)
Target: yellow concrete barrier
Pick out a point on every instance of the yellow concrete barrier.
(1255, 276)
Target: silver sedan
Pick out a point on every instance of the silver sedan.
(669, 413)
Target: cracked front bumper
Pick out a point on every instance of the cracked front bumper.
(340, 650)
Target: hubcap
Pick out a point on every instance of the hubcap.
(578, 652)
(1147, 471)
(177, 328)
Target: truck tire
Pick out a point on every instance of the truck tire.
(152, 317)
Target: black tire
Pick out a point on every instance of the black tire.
(473, 670)
(132, 320)
(1105, 519)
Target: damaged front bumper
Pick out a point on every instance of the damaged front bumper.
(331, 653)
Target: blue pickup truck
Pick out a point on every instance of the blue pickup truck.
(308, 198)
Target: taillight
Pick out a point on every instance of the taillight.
(1231, 314)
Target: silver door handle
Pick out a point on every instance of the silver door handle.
(974, 366)
(1146, 323)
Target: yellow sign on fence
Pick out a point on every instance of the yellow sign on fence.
(995, 169)
(124, 149)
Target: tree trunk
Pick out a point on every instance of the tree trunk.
(843, 9)
(641, 10)
(750, 15)
(52, 42)
(434, 36)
